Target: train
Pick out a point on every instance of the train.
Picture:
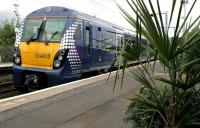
(55, 45)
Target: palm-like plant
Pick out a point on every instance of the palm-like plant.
(167, 106)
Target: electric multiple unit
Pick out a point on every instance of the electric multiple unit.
(56, 45)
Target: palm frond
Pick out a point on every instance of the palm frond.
(139, 75)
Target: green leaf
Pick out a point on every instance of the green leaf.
(141, 78)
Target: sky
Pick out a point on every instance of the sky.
(103, 9)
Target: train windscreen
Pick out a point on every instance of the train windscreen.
(43, 30)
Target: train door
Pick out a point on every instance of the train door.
(87, 44)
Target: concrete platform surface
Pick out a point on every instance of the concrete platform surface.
(6, 65)
(89, 103)
(95, 107)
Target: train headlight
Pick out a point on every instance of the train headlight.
(17, 60)
(60, 57)
(62, 52)
(16, 56)
(15, 53)
(56, 63)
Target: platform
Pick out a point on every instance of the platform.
(6, 65)
(88, 103)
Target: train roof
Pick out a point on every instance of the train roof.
(56, 11)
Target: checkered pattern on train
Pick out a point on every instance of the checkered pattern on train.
(19, 35)
(68, 42)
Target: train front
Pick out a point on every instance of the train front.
(38, 57)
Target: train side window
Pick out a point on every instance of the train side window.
(99, 38)
(99, 28)
(118, 43)
(87, 36)
(108, 40)
(77, 35)
(122, 42)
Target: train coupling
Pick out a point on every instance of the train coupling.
(32, 81)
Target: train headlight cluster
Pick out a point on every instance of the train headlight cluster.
(62, 52)
(16, 56)
(17, 60)
(56, 64)
(60, 58)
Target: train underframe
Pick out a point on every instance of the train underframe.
(34, 78)
(39, 78)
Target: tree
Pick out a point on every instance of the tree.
(7, 40)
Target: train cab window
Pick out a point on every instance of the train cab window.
(51, 30)
(30, 28)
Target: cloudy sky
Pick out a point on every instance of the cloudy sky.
(103, 9)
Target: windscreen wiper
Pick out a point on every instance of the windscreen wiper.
(41, 29)
(37, 34)
(53, 34)
(30, 39)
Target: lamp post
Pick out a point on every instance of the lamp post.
(185, 2)
(166, 19)
(16, 6)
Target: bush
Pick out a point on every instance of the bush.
(152, 109)
(7, 40)
(6, 53)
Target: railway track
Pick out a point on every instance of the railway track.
(6, 69)
(5, 86)
(7, 89)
